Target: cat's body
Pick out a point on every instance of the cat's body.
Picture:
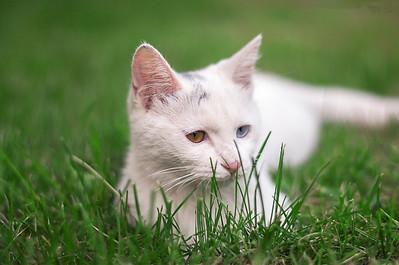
(225, 103)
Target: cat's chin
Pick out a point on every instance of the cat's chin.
(225, 178)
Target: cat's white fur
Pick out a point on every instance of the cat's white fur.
(164, 105)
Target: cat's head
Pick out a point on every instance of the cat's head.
(186, 120)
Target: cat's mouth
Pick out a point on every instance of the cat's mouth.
(227, 177)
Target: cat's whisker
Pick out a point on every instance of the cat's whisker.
(205, 182)
(185, 182)
(176, 182)
(169, 170)
(189, 181)
(176, 179)
(200, 183)
(176, 185)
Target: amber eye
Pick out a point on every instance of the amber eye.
(196, 137)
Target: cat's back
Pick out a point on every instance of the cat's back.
(284, 113)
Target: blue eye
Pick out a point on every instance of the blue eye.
(242, 131)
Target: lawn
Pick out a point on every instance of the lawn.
(64, 75)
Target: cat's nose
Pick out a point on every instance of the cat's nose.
(231, 167)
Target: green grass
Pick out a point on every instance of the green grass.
(64, 73)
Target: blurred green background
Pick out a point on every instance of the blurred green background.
(64, 76)
(65, 65)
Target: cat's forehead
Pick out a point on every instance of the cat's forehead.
(203, 90)
(196, 88)
(194, 76)
(210, 102)
(206, 84)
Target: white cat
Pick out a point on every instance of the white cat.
(181, 121)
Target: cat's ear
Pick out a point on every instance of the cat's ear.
(151, 75)
(241, 65)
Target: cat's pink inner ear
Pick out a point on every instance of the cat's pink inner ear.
(241, 65)
(151, 75)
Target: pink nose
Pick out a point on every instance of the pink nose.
(231, 167)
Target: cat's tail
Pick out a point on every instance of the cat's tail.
(338, 104)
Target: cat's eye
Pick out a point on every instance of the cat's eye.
(197, 136)
(242, 131)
